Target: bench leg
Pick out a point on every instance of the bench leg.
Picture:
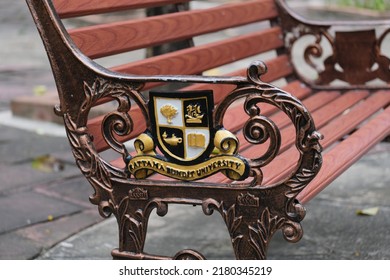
(252, 228)
(250, 222)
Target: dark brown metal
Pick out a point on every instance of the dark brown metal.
(253, 212)
(345, 46)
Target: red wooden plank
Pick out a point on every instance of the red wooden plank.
(107, 39)
(278, 67)
(198, 59)
(321, 117)
(333, 131)
(73, 8)
(347, 152)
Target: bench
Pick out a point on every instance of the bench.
(245, 143)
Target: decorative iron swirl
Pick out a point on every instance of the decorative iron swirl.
(382, 37)
(119, 124)
(292, 231)
(313, 50)
(257, 130)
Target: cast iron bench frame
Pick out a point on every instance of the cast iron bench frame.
(253, 209)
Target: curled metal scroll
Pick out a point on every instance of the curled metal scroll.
(259, 128)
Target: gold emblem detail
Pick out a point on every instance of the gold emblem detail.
(168, 111)
(173, 140)
(194, 114)
(139, 164)
(196, 140)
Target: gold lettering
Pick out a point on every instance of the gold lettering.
(143, 166)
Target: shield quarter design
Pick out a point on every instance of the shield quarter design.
(182, 124)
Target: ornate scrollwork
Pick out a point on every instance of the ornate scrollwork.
(116, 123)
(258, 129)
(260, 230)
(133, 210)
(94, 169)
(261, 233)
(232, 221)
(345, 47)
(98, 172)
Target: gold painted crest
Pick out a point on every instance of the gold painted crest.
(182, 128)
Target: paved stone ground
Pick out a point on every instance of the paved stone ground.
(46, 214)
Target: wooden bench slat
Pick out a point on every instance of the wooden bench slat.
(279, 67)
(333, 131)
(198, 59)
(321, 116)
(75, 8)
(108, 39)
(347, 152)
(348, 122)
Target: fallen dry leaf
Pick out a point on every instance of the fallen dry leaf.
(368, 211)
(47, 163)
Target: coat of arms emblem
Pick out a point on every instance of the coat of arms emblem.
(182, 127)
